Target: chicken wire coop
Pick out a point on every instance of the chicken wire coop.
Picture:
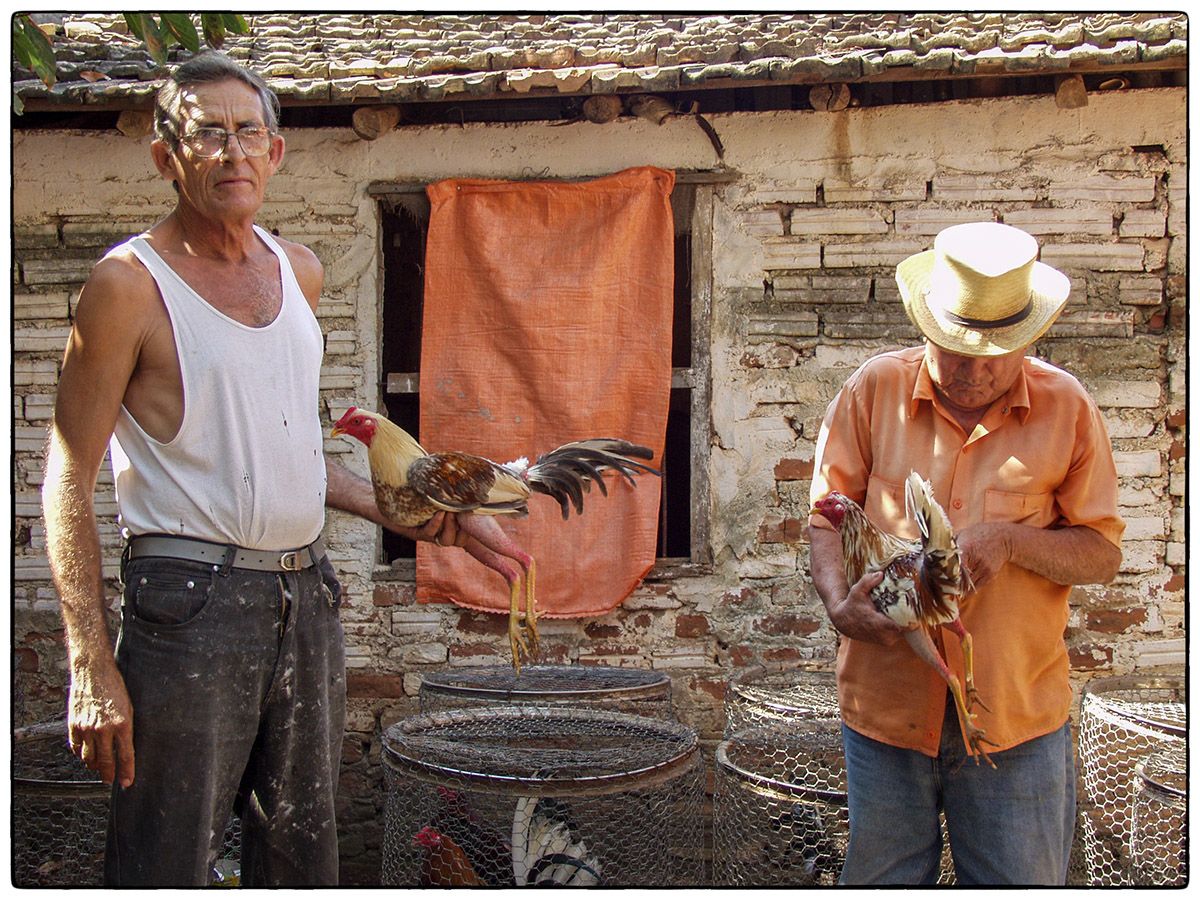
(625, 690)
(59, 812)
(779, 808)
(1123, 721)
(766, 696)
(779, 802)
(1159, 839)
(60, 816)
(516, 796)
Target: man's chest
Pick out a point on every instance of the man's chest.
(249, 292)
(1006, 470)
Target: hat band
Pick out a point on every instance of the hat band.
(964, 322)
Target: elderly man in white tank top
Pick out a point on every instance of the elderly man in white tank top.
(196, 352)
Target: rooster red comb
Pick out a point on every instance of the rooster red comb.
(832, 508)
(428, 837)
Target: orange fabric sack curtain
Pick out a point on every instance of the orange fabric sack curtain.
(548, 320)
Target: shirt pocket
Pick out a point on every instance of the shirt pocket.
(1022, 509)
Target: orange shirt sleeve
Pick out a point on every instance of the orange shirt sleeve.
(1088, 495)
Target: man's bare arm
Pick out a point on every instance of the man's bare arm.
(102, 352)
(1072, 555)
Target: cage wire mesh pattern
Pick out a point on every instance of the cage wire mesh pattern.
(765, 696)
(636, 691)
(1159, 830)
(59, 812)
(782, 762)
(60, 816)
(515, 796)
(780, 814)
(1123, 721)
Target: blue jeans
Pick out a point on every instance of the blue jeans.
(1009, 825)
(238, 687)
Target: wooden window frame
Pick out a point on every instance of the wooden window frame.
(696, 377)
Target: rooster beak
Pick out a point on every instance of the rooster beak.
(337, 430)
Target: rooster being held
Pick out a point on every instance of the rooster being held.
(411, 486)
(922, 583)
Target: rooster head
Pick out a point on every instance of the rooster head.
(358, 423)
(428, 837)
(832, 508)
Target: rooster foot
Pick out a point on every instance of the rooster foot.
(976, 738)
(974, 700)
(520, 648)
(522, 626)
(516, 637)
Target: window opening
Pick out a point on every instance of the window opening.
(682, 531)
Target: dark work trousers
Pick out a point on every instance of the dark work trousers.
(238, 687)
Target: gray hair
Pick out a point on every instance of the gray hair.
(206, 68)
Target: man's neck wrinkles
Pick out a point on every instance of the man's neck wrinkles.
(228, 242)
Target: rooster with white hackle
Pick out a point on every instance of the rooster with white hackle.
(923, 582)
(411, 486)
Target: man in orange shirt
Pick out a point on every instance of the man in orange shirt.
(1018, 455)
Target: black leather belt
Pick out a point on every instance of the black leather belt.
(226, 555)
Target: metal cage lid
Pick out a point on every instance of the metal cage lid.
(1157, 702)
(806, 689)
(772, 761)
(1166, 772)
(544, 751)
(550, 682)
(43, 764)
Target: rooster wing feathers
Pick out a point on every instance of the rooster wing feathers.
(459, 482)
(923, 578)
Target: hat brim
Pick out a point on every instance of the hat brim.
(1049, 289)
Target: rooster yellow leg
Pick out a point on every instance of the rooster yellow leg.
(515, 639)
(492, 547)
(922, 644)
(968, 648)
(531, 609)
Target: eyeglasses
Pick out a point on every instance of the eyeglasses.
(209, 143)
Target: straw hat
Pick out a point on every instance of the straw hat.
(980, 291)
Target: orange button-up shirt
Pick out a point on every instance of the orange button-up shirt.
(1041, 456)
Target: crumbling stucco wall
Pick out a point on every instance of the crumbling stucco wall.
(804, 244)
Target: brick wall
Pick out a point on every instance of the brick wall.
(804, 246)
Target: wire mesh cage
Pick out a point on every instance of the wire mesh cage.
(766, 704)
(515, 796)
(1122, 721)
(765, 696)
(59, 812)
(636, 691)
(60, 816)
(1158, 843)
(779, 806)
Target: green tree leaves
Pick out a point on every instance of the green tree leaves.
(33, 49)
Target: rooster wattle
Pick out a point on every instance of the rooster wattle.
(923, 580)
(411, 486)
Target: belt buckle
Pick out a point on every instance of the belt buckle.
(290, 561)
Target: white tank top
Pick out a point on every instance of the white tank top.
(247, 466)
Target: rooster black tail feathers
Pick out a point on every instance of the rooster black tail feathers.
(567, 473)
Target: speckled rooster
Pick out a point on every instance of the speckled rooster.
(922, 583)
(411, 486)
